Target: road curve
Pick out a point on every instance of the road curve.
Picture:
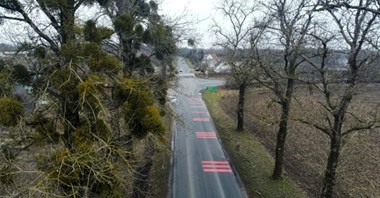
(200, 167)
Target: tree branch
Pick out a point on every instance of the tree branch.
(52, 19)
(12, 18)
(320, 128)
(360, 128)
(18, 8)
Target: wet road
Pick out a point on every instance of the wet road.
(200, 167)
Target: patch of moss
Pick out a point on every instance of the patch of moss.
(88, 87)
(152, 120)
(70, 50)
(140, 112)
(97, 59)
(66, 82)
(11, 110)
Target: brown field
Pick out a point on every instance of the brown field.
(307, 148)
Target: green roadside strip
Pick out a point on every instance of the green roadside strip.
(252, 161)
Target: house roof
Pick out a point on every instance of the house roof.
(213, 56)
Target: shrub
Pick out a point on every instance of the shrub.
(10, 111)
(21, 74)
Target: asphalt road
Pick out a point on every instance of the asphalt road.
(200, 167)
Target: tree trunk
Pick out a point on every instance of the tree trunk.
(126, 52)
(332, 164)
(283, 131)
(72, 120)
(69, 105)
(67, 16)
(164, 70)
(240, 107)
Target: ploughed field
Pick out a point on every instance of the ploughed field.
(307, 148)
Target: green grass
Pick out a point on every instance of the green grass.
(252, 161)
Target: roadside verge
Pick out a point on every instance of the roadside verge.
(250, 158)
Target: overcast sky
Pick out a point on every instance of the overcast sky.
(200, 11)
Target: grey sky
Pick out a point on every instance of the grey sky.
(202, 10)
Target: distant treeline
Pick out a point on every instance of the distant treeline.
(7, 47)
(336, 63)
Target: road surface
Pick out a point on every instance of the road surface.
(200, 167)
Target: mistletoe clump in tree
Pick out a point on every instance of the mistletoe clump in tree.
(88, 91)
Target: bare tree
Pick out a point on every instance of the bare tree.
(239, 16)
(290, 23)
(356, 33)
(337, 4)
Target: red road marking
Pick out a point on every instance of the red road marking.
(214, 162)
(218, 170)
(201, 120)
(205, 134)
(216, 166)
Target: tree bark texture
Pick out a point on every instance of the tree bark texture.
(335, 144)
(67, 16)
(332, 164)
(71, 115)
(240, 107)
(283, 131)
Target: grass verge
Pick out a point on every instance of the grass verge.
(252, 161)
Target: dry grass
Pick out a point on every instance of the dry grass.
(307, 148)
